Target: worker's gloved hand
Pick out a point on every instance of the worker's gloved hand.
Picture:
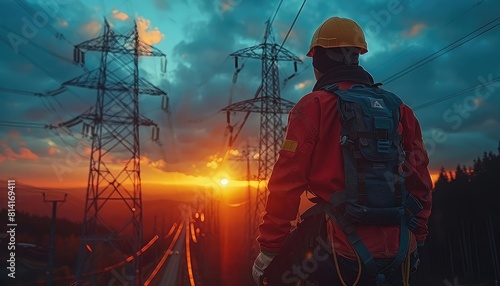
(259, 266)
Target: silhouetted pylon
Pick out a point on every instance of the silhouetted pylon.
(112, 225)
(271, 106)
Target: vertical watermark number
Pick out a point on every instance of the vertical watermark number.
(11, 228)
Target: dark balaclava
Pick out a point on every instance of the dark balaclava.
(327, 59)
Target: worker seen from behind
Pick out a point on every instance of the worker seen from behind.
(357, 151)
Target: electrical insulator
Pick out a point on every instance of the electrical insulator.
(76, 55)
(295, 66)
(163, 65)
(165, 102)
(87, 130)
(155, 134)
(236, 62)
(83, 57)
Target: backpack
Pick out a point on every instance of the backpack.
(374, 179)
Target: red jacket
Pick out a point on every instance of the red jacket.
(315, 162)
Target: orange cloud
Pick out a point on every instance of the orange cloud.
(117, 14)
(156, 164)
(91, 28)
(150, 36)
(25, 153)
(14, 134)
(227, 5)
(303, 84)
(415, 30)
(52, 151)
(22, 154)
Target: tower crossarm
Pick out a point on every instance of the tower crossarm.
(274, 52)
(113, 83)
(283, 106)
(112, 120)
(119, 44)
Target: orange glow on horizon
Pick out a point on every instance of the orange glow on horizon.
(434, 176)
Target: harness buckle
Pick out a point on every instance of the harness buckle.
(383, 145)
(343, 140)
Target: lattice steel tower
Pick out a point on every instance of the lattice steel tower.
(112, 225)
(270, 105)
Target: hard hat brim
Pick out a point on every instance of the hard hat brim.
(312, 50)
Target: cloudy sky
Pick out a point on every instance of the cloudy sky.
(197, 36)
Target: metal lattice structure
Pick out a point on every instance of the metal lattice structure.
(271, 106)
(112, 225)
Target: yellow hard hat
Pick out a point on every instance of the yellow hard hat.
(338, 32)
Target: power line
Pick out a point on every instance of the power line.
(238, 70)
(435, 30)
(27, 7)
(276, 12)
(39, 47)
(453, 95)
(262, 32)
(293, 24)
(115, 121)
(21, 92)
(212, 74)
(269, 104)
(26, 57)
(443, 51)
(236, 73)
(52, 109)
(19, 124)
(247, 115)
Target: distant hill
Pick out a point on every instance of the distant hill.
(157, 200)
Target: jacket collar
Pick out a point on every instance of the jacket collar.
(355, 74)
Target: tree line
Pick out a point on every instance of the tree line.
(464, 227)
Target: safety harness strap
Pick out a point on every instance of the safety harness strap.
(355, 136)
(404, 232)
(370, 265)
(350, 232)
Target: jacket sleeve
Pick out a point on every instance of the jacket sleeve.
(289, 178)
(418, 180)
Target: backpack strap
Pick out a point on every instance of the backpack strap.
(355, 187)
(347, 227)
(345, 224)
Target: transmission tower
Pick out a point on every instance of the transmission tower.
(112, 225)
(270, 105)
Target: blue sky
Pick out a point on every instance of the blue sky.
(198, 36)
